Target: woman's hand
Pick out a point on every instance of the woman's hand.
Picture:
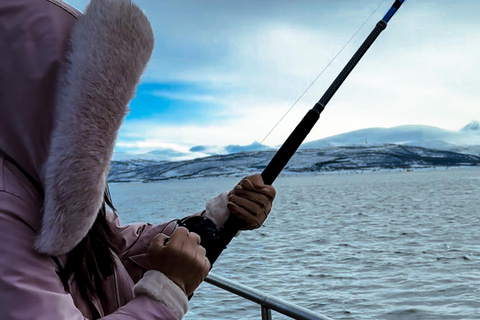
(251, 200)
(179, 257)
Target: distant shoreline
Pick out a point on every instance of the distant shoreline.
(339, 160)
(310, 174)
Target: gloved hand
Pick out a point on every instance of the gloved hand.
(251, 200)
(180, 258)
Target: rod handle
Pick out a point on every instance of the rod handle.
(289, 147)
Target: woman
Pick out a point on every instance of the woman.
(65, 82)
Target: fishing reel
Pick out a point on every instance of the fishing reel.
(211, 238)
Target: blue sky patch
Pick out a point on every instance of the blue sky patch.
(175, 103)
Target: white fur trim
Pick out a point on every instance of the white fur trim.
(157, 286)
(110, 47)
(216, 209)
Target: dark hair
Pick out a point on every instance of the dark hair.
(92, 260)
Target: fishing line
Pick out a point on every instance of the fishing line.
(320, 74)
(221, 238)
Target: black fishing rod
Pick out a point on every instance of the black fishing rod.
(293, 142)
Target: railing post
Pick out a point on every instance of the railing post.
(267, 302)
(266, 313)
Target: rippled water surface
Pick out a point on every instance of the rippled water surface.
(357, 246)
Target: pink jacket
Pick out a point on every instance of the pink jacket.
(44, 131)
(30, 285)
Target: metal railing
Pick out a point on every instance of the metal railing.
(267, 302)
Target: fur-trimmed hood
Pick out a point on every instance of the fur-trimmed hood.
(109, 48)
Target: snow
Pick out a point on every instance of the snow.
(412, 135)
(473, 127)
(332, 159)
(466, 140)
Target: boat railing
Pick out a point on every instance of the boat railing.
(266, 302)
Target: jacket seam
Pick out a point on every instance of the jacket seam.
(124, 256)
(67, 8)
(127, 251)
(16, 196)
(2, 174)
(35, 183)
(23, 200)
(128, 314)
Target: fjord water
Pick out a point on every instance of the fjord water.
(399, 245)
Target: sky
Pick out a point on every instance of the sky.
(225, 72)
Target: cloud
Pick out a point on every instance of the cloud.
(224, 72)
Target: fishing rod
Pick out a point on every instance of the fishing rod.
(221, 239)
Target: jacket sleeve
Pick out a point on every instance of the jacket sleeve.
(30, 284)
(132, 242)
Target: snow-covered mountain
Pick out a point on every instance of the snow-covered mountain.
(473, 127)
(332, 159)
(403, 147)
(232, 148)
(468, 138)
(168, 154)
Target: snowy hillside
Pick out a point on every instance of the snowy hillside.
(463, 140)
(473, 127)
(330, 159)
(403, 147)
(466, 140)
